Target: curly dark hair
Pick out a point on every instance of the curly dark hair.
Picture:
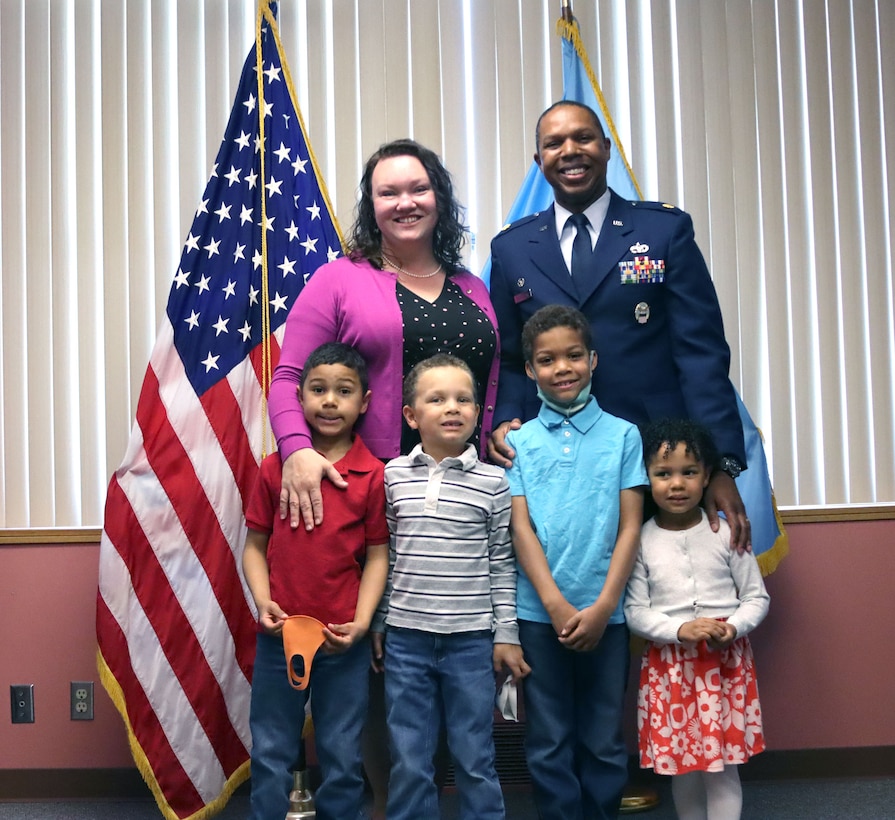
(549, 317)
(450, 232)
(665, 435)
(338, 353)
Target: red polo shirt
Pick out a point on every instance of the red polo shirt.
(318, 573)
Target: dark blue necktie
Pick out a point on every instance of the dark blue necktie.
(582, 253)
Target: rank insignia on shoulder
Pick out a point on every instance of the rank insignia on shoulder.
(522, 220)
(667, 205)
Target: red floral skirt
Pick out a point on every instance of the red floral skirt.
(697, 708)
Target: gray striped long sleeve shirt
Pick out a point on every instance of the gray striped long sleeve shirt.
(451, 567)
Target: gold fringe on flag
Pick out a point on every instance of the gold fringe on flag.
(770, 559)
(240, 776)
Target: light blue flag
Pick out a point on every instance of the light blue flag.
(769, 540)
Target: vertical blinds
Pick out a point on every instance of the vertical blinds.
(767, 121)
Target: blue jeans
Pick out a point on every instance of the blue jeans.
(428, 675)
(574, 703)
(338, 688)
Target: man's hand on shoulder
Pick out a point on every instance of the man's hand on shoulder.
(498, 450)
(722, 494)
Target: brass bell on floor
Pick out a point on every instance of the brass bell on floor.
(301, 801)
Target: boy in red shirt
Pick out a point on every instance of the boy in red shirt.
(335, 573)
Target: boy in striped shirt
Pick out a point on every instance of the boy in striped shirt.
(450, 600)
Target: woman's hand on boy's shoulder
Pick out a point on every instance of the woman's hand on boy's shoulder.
(300, 496)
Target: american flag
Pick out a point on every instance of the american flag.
(175, 622)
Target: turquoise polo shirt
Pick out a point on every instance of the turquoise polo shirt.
(571, 471)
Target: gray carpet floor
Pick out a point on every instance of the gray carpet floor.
(822, 799)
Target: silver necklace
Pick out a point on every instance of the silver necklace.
(399, 269)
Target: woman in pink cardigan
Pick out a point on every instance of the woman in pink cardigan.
(399, 296)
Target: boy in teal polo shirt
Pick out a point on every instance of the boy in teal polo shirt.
(577, 508)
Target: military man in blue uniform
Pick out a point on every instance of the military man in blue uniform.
(635, 271)
(644, 287)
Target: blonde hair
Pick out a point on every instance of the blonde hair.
(438, 360)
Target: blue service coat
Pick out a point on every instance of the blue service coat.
(652, 308)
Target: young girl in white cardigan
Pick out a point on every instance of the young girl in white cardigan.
(694, 599)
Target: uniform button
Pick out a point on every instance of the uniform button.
(566, 449)
(567, 433)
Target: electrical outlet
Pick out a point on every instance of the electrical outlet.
(21, 698)
(82, 700)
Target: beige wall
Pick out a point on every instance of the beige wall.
(825, 655)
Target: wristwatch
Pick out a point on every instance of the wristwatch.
(731, 466)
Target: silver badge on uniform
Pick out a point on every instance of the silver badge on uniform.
(641, 313)
(520, 283)
(640, 247)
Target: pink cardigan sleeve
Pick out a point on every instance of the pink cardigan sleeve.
(312, 321)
